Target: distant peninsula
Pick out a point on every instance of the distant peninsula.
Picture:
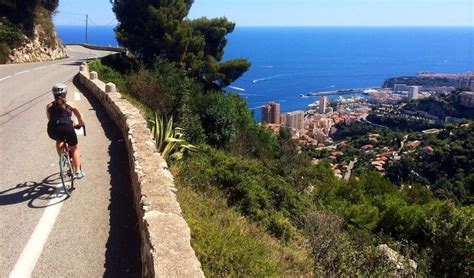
(457, 80)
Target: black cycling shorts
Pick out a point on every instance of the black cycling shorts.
(63, 132)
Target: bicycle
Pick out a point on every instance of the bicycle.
(66, 170)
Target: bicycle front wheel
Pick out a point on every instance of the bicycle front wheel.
(66, 172)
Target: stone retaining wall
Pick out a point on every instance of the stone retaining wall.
(165, 236)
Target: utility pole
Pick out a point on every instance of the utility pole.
(87, 22)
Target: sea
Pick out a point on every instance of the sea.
(288, 62)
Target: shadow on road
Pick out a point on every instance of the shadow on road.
(123, 246)
(36, 194)
(75, 63)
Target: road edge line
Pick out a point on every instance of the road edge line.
(33, 249)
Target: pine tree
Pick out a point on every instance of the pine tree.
(159, 29)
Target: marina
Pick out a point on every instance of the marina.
(341, 92)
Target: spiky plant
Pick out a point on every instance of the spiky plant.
(169, 142)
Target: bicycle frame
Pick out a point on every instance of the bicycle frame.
(66, 165)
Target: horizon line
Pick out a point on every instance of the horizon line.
(310, 26)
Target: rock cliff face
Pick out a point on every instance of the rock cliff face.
(41, 47)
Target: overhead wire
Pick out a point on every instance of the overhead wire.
(112, 21)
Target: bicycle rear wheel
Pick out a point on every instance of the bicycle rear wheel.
(66, 172)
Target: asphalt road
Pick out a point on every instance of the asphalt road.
(42, 233)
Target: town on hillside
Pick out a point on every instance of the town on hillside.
(319, 127)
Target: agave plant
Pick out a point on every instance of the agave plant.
(169, 142)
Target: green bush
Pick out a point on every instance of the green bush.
(336, 255)
(4, 52)
(42, 17)
(250, 187)
(227, 245)
(10, 34)
(450, 232)
(108, 74)
(222, 116)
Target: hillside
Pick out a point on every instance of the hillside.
(446, 105)
(27, 33)
(257, 202)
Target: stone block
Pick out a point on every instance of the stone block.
(93, 75)
(110, 88)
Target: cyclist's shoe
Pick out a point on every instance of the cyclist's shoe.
(79, 175)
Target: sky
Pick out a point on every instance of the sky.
(297, 12)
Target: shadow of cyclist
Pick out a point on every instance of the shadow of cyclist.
(37, 194)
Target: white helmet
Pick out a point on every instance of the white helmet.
(59, 88)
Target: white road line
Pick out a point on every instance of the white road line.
(32, 251)
(77, 96)
(38, 68)
(5, 78)
(21, 72)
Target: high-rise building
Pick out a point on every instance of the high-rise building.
(293, 119)
(271, 113)
(413, 92)
(323, 104)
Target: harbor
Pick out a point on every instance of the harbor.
(342, 92)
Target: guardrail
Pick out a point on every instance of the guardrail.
(100, 47)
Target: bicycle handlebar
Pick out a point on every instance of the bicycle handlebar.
(79, 127)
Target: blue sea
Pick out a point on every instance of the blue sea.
(290, 61)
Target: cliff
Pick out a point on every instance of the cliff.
(41, 47)
(27, 33)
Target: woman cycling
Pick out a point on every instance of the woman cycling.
(60, 125)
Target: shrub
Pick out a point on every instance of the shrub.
(227, 245)
(450, 231)
(335, 254)
(108, 74)
(4, 52)
(250, 187)
(10, 34)
(42, 17)
(222, 116)
(164, 88)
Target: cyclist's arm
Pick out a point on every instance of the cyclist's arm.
(77, 113)
(47, 110)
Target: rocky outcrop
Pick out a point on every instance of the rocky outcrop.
(41, 47)
(404, 267)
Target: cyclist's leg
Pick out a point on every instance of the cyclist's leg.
(59, 145)
(76, 158)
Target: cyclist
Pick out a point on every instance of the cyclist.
(61, 127)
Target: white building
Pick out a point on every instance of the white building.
(413, 92)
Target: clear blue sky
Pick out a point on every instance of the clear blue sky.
(300, 12)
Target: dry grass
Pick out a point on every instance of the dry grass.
(228, 245)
